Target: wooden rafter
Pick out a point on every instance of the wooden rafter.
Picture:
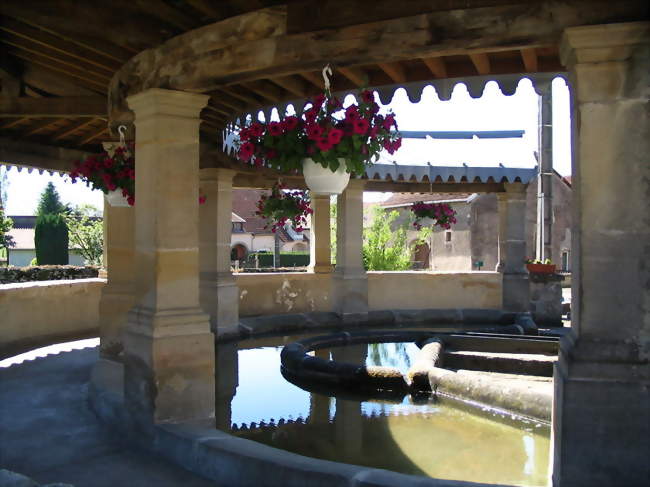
(266, 90)
(292, 84)
(314, 78)
(66, 131)
(13, 123)
(169, 14)
(481, 62)
(208, 8)
(239, 93)
(40, 126)
(356, 75)
(59, 107)
(94, 135)
(58, 44)
(437, 66)
(529, 57)
(394, 70)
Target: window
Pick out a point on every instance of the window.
(448, 236)
(565, 261)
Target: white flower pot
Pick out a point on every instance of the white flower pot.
(322, 180)
(115, 198)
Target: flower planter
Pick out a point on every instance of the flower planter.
(322, 180)
(115, 198)
(541, 268)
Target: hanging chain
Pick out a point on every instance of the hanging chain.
(327, 72)
(122, 131)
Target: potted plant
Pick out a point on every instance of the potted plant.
(539, 267)
(326, 141)
(282, 206)
(442, 214)
(112, 171)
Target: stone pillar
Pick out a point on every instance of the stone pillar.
(350, 279)
(320, 260)
(601, 415)
(219, 294)
(117, 296)
(319, 404)
(227, 380)
(515, 292)
(545, 180)
(502, 199)
(169, 349)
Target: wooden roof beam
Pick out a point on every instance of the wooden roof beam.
(94, 135)
(395, 71)
(239, 93)
(437, 66)
(13, 123)
(66, 131)
(266, 90)
(40, 126)
(292, 84)
(529, 57)
(210, 9)
(356, 75)
(481, 62)
(315, 79)
(60, 107)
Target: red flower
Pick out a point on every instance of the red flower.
(389, 121)
(334, 136)
(130, 200)
(202, 199)
(275, 129)
(367, 96)
(290, 123)
(271, 154)
(256, 129)
(318, 101)
(244, 134)
(324, 144)
(360, 126)
(351, 113)
(310, 115)
(314, 131)
(246, 151)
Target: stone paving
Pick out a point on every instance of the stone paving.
(48, 433)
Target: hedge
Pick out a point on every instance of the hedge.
(46, 273)
(287, 259)
(51, 239)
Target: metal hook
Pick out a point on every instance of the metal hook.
(122, 131)
(327, 70)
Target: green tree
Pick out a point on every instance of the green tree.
(6, 240)
(86, 233)
(50, 202)
(384, 246)
(4, 185)
(51, 239)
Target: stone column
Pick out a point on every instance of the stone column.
(502, 199)
(515, 292)
(219, 294)
(319, 404)
(348, 421)
(601, 415)
(169, 349)
(545, 181)
(227, 381)
(320, 260)
(117, 296)
(350, 279)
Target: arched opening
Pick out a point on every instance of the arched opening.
(238, 252)
(421, 253)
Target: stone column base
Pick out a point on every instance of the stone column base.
(169, 366)
(350, 297)
(108, 375)
(515, 292)
(114, 306)
(220, 299)
(601, 418)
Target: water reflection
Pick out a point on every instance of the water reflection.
(438, 438)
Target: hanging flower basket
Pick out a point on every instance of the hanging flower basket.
(321, 180)
(283, 206)
(340, 140)
(116, 198)
(442, 214)
(536, 266)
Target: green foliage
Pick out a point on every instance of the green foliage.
(4, 185)
(333, 219)
(33, 262)
(51, 239)
(384, 247)
(50, 202)
(86, 234)
(287, 259)
(6, 224)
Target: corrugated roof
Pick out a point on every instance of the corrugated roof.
(407, 199)
(401, 172)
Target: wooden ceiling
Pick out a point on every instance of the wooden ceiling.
(58, 56)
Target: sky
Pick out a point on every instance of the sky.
(492, 111)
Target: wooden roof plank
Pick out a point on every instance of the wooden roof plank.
(67, 131)
(40, 126)
(59, 107)
(436, 65)
(94, 135)
(358, 76)
(529, 57)
(481, 62)
(292, 84)
(395, 71)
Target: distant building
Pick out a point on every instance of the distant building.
(471, 244)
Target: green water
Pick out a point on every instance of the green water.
(434, 437)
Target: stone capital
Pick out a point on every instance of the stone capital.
(160, 102)
(602, 43)
(216, 174)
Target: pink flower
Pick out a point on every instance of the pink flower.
(360, 126)
(244, 134)
(318, 100)
(131, 200)
(367, 96)
(290, 123)
(351, 113)
(256, 129)
(334, 136)
(202, 200)
(389, 121)
(310, 115)
(271, 154)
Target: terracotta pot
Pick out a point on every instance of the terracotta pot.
(322, 180)
(541, 268)
(115, 198)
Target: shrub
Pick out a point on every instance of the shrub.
(51, 239)
(46, 273)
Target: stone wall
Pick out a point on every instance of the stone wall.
(275, 293)
(38, 313)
